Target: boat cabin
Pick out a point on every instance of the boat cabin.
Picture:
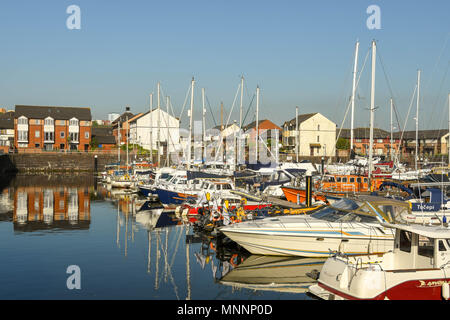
(418, 247)
(347, 183)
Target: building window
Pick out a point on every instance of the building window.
(62, 134)
(318, 127)
(22, 120)
(318, 139)
(73, 122)
(61, 122)
(86, 134)
(49, 122)
(49, 136)
(73, 136)
(37, 134)
(37, 145)
(22, 135)
(37, 121)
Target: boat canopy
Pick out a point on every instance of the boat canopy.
(397, 185)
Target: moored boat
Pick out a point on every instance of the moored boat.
(418, 268)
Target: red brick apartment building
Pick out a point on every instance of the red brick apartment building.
(52, 128)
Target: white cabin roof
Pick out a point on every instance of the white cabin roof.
(436, 232)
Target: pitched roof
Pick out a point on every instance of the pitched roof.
(103, 135)
(301, 118)
(7, 120)
(57, 113)
(364, 133)
(423, 134)
(123, 117)
(253, 125)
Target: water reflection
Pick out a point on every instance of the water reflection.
(283, 274)
(38, 208)
(149, 251)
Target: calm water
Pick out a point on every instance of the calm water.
(50, 223)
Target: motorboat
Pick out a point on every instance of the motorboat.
(417, 268)
(349, 225)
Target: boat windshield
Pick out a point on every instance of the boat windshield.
(335, 212)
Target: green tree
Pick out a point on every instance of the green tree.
(343, 144)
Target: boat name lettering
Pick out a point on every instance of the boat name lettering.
(429, 284)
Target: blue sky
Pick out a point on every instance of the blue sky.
(299, 52)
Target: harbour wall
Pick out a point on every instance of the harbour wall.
(58, 162)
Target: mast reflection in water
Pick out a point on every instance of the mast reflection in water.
(125, 247)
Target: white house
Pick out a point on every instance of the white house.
(316, 135)
(150, 127)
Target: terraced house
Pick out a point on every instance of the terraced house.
(52, 128)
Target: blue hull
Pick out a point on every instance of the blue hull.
(146, 191)
(172, 197)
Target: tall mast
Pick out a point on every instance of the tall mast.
(296, 132)
(158, 142)
(128, 133)
(242, 101)
(392, 128)
(203, 125)
(118, 141)
(240, 119)
(191, 116)
(151, 126)
(448, 144)
(372, 112)
(355, 69)
(168, 132)
(417, 120)
(257, 122)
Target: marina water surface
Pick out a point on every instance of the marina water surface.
(69, 237)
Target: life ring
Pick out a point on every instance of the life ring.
(234, 261)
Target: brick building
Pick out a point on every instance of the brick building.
(52, 128)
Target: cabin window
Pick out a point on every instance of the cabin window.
(344, 179)
(426, 247)
(332, 179)
(365, 180)
(226, 187)
(338, 179)
(405, 241)
(352, 179)
(358, 180)
(442, 246)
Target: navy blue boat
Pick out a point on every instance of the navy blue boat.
(173, 197)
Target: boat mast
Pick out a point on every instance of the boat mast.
(257, 124)
(355, 68)
(168, 132)
(128, 133)
(372, 112)
(158, 142)
(204, 124)
(296, 133)
(448, 143)
(417, 120)
(151, 126)
(240, 117)
(190, 124)
(392, 128)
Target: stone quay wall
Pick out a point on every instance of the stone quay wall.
(59, 162)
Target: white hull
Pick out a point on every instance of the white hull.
(308, 246)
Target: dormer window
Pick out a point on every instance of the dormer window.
(73, 122)
(49, 121)
(22, 120)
